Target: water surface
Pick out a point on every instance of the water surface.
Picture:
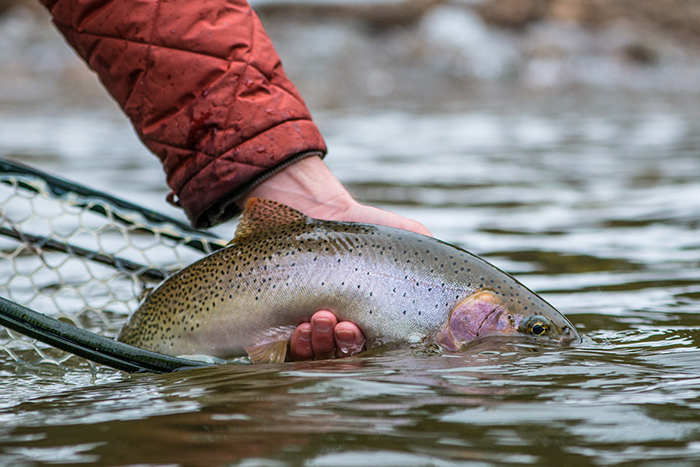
(592, 200)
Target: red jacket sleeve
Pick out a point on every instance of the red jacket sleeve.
(203, 87)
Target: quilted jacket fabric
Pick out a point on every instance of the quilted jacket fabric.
(204, 89)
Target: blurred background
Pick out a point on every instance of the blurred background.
(348, 53)
(355, 57)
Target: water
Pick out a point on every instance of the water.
(592, 200)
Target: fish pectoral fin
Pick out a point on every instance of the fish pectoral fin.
(272, 352)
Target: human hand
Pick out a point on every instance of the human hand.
(310, 187)
(324, 337)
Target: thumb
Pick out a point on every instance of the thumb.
(372, 215)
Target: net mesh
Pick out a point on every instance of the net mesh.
(80, 259)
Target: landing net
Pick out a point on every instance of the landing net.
(81, 257)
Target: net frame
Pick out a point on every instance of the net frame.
(81, 256)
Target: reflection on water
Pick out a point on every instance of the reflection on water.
(594, 202)
(514, 405)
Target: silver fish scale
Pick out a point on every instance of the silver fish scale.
(398, 286)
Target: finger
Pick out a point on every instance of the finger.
(322, 337)
(394, 220)
(300, 343)
(372, 215)
(348, 338)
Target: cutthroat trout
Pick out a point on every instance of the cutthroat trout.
(399, 287)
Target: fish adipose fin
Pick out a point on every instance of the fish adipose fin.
(260, 215)
(273, 352)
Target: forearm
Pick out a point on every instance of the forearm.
(203, 87)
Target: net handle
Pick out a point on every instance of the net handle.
(86, 344)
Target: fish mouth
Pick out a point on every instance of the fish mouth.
(569, 335)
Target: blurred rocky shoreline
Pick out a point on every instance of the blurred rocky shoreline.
(350, 53)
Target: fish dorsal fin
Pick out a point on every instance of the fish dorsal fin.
(263, 214)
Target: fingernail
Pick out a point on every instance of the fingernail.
(345, 336)
(323, 325)
(305, 335)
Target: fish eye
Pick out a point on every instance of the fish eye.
(537, 325)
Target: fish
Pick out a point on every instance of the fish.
(399, 287)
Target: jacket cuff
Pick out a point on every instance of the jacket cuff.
(227, 207)
(207, 187)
